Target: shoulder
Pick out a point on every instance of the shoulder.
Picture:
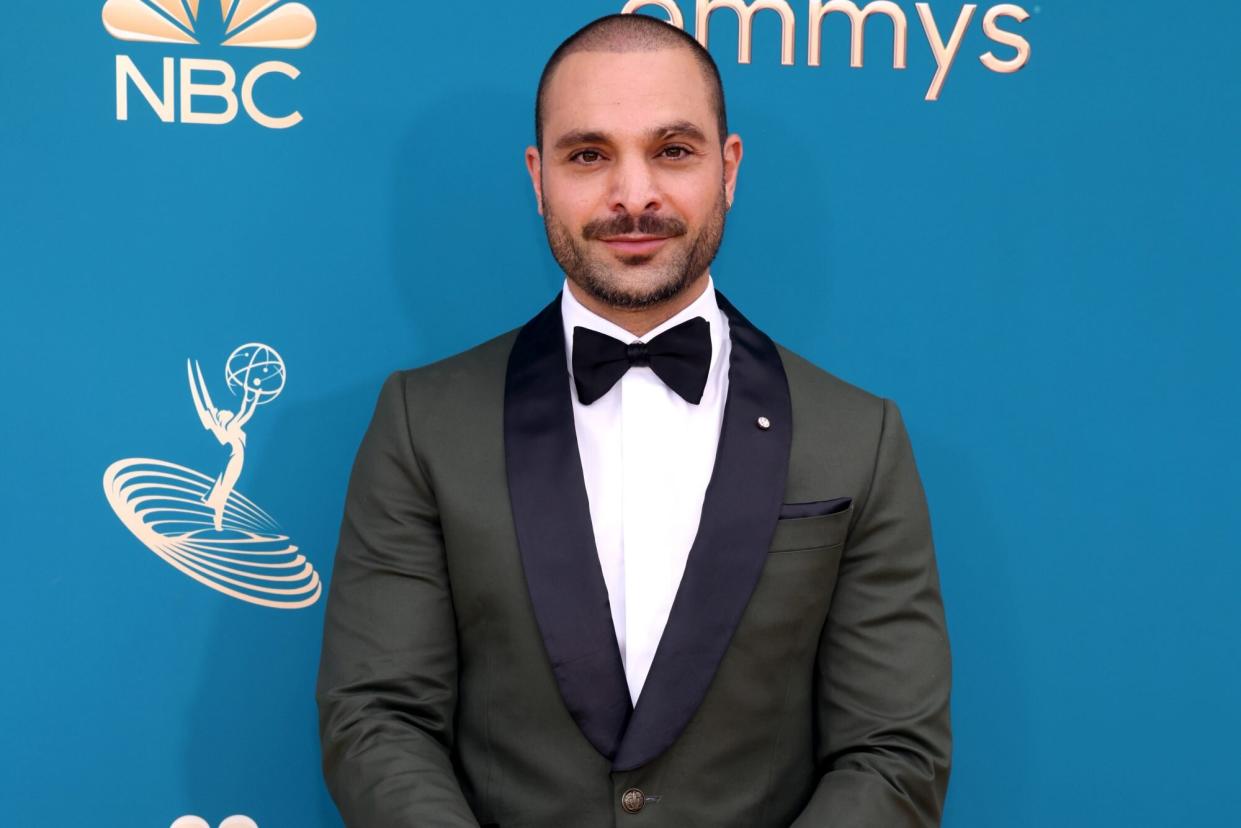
(810, 385)
(831, 410)
(818, 395)
(477, 363)
(836, 424)
(472, 379)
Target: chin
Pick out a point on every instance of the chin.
(636, 260)
(639, 277)
(639, 289)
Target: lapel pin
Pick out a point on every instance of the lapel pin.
(764, 423)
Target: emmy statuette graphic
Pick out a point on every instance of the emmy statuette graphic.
(205, 527)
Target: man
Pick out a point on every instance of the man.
(634, 562)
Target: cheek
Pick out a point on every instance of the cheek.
(694, 191)
(574, 202)
(694, 204)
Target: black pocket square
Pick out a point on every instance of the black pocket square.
(813, 508)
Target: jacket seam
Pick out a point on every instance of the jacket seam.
(409, 438)
(874, 471)
(769, 792)
(426, 480)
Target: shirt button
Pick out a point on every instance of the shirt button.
(632, 800)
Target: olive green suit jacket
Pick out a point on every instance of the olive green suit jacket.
(470, 673)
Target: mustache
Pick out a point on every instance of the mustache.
(646, 224)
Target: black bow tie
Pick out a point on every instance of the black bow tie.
(680, 356)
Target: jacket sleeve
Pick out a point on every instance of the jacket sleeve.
(882, 732)
(388, 671)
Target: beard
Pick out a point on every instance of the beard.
(609, 278)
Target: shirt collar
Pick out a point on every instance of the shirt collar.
(573, 312)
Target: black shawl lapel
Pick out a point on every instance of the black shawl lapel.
(551, 515)
(739, 513)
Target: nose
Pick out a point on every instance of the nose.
(635, 188)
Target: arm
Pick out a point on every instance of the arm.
(883, 736)
(249, 402)
(206, 410)
(388, 673)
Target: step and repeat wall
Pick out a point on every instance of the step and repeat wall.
(1018, 221)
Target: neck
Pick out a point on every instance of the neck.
(640, 320)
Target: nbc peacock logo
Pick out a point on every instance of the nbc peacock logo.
(259, 24)
(270, 23)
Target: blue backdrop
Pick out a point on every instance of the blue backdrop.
(1041, 268)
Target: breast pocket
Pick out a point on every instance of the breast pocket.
(794, 534)
(780, 628)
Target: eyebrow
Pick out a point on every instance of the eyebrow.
(658, 133)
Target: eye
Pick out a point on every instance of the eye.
(678, 152)
(588, 156)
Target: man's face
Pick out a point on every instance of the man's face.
(633, 183)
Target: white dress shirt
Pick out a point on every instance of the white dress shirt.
(647, 455)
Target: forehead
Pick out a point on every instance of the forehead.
(626, 92)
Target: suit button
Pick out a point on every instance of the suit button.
(632, 800)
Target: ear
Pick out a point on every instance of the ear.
(534, 165)
(732, 162)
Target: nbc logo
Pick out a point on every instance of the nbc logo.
(269, 24)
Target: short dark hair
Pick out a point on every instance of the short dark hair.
(631, 33)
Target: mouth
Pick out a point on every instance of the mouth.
(635, 244)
